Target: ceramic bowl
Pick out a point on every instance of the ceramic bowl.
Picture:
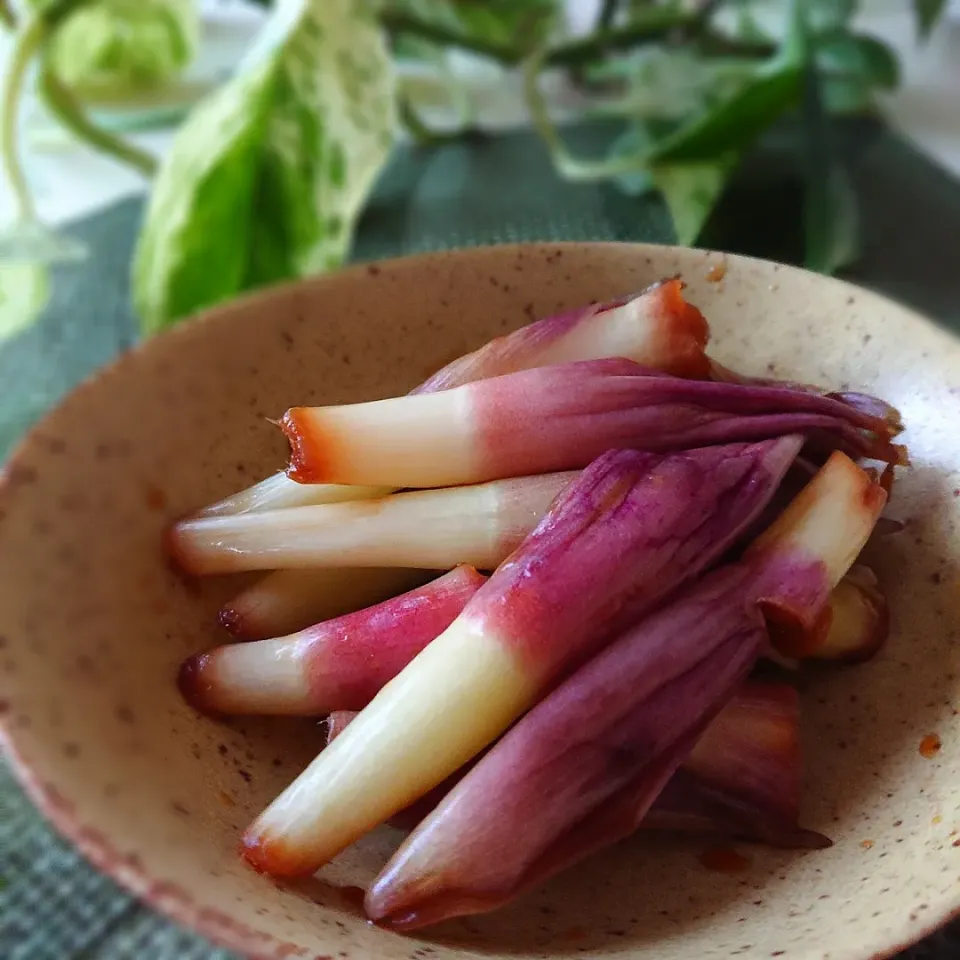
(93, 624)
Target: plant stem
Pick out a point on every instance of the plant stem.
(68, 110)
(7, 16)
(665, 25)
(417, 129)
(568, 166)
(395, 22)
(28, 41)
(423, 134)
(713, 44)
(658, 24)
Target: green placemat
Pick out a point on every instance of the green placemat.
(53, 906)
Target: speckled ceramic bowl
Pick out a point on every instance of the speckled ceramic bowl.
(93, 624)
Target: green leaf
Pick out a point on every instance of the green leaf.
(124, 45)
(830, 209)
(847, 96)
(831, 222)
(691, 191)
(734, 123)
(858, 56)
(927, 14)
(267, 177)
(24, 291)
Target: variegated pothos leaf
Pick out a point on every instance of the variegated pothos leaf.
(266, 178)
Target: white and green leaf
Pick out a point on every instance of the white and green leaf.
(124, 45)
(267, 177)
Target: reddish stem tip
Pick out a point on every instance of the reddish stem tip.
(690, 327)
(251, 851)
(235, 624)
(305, 463)
(692, 321)
(792, 633)
(269, 856)
(191, 684)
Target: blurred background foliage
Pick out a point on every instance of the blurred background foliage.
(270, 169)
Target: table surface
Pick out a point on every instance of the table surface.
(52, 905)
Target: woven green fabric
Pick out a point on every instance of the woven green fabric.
(53, 906)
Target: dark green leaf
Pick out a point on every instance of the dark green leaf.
(734, 123)
(267, 176)
(830, 209)
(832, 224)
(691, 191)
(927, 14)
(860, 57)
(846, 96)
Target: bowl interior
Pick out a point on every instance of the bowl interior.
(93, 624)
